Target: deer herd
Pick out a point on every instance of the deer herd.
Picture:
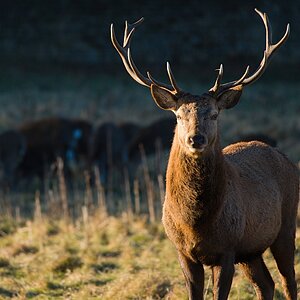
(223, 206)
(31, 150)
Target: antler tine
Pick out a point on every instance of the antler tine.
(284, 38)
(160, 84)
(270, 48)
(124, 51)
(129, 29)
(268, 52)
(267, 25)
(243, 76)
(216, 86)
(172, 78)
(138, 75)
(174, 89)
(231, 84)
(129, 64)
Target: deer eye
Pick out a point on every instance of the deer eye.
(178, 117)
(214, 116)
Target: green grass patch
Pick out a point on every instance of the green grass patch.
(4, 263)
(26, 249)
(68, 264)
(104, 267)
(7, 226)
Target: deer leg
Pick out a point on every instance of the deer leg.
(194, 277)
(222, 277)
(283, 251)
(257, 272)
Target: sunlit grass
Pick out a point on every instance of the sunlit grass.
(108, 258)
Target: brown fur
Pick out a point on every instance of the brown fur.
(217, 191)
(233, 203)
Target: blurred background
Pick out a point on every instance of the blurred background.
(64, 91)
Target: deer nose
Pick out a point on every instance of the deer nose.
(196, 141)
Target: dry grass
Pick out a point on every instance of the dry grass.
(108, 258)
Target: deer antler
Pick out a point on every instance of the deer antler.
(129, 64)
(270, 48)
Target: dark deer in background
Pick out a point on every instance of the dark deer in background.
(157, 135)
(12, 151)
(228, 206)
(109, 146)
(54, 137)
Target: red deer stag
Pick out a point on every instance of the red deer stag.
(228, 206)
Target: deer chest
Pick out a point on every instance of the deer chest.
(202, 241)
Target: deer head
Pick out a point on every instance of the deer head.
(197, 116)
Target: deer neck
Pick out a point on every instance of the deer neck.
(196, 185)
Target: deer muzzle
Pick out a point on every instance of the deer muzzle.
(196, 142)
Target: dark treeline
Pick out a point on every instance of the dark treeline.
(77, 32)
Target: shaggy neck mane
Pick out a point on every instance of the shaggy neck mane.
(196, 186)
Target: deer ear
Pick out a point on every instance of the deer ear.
(229, 98)
(163, 98)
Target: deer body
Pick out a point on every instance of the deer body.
(223, 207)
(229, 207)
(228, 202)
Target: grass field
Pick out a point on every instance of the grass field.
(100, 257)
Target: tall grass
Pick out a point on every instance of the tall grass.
(99, 257)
